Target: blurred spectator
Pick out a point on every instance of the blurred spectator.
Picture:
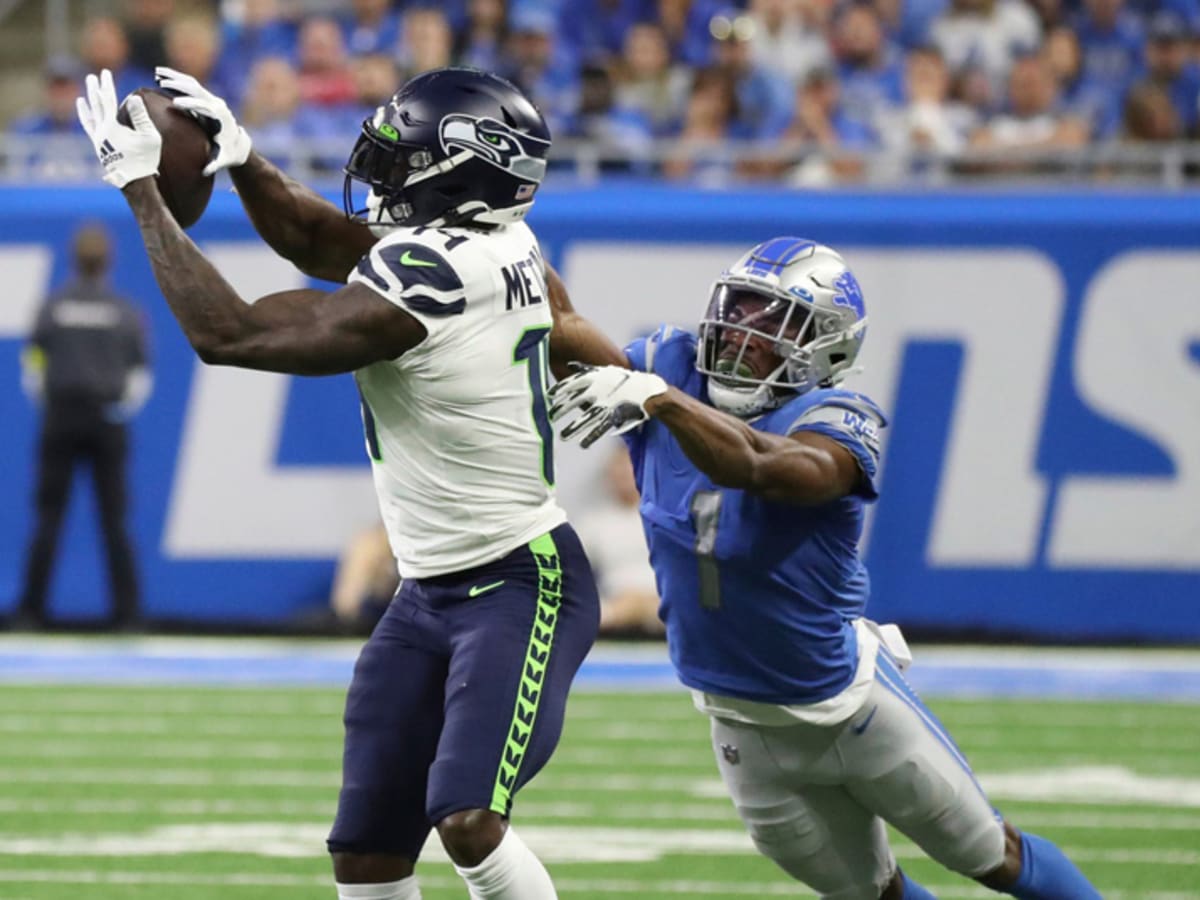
(1033, 120)
(615, 541)
(269, 109)
(536, 64)
(370, 26)
(1050, 13)
(145, 25)
(258, 32)
(1111, 38)
(1149, 115)
(986, 35)
(86, 367)
(325, 77)
(193, 46)
(104, 45)
(325, 128)
(907, 23)
(364, 582)
(480, 43)
(649, 84)
(620, 134)
(870, 69)
(835, 139)
(928, 121)
(428, 42)
(1081, 97)
(62, 82)
(976, 91)
(61, 149)
(764, 98)
(1168, 65)
(708, 122)
(686, 25)
(376, 78)
(787, 40)
(595, 30)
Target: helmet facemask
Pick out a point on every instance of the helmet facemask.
(385, 164)
(760, 345)
(748, 346)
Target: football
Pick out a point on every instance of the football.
(186, 151)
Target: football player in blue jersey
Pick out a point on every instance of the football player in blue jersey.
(754, 469)
(448, 320)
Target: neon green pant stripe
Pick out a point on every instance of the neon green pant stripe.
(533, 673)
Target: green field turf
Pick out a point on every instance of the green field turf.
(143, 793)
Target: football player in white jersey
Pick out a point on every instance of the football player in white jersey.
(446, 321)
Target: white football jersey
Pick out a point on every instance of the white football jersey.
(456, 428)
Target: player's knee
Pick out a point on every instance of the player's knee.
(1005, 874)
(470, 835)
(369, 868)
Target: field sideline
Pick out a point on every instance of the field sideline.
(153, 782)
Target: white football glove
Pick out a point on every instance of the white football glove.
(609, 398)
(231, 140)
(126, 154)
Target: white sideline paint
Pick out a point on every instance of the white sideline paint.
(1091, 785)
(530, 811)
(557, 844)
(957, 891)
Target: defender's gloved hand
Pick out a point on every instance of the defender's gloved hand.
(126, 153)
(231, 139)
(609, 398)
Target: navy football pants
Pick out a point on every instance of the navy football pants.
(458, 696)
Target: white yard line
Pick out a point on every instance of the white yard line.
(616, 887)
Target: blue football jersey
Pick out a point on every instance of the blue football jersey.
(757, 596)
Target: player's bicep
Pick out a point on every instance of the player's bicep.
(310, 332)
(574, 338)
(814, 469)
(338, 243)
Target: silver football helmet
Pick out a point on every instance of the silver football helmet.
(787, 317)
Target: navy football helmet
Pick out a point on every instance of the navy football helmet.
(452, 146)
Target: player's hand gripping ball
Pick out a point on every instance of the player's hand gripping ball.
(186, 150)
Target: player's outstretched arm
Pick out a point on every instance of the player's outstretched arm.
(573, 338)
(805, 468)
(302, 332)
(298, 223)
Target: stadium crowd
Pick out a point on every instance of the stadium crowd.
(805, 91)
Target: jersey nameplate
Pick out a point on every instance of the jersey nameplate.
(524, 282)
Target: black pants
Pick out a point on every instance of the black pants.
(70, 437)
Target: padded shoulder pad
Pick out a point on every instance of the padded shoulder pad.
(416, 275)
(847, 413)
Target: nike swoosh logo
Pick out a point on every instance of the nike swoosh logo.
(483, 588)
(859, 729)
(409, 260)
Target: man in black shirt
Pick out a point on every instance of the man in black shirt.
(86, 366)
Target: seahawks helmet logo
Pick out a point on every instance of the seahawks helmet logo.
(497, 144)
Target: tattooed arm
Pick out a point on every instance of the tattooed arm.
(303, 332)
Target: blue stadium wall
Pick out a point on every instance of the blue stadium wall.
(1039, 356)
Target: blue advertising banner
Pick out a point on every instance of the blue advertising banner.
(1037, 354)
